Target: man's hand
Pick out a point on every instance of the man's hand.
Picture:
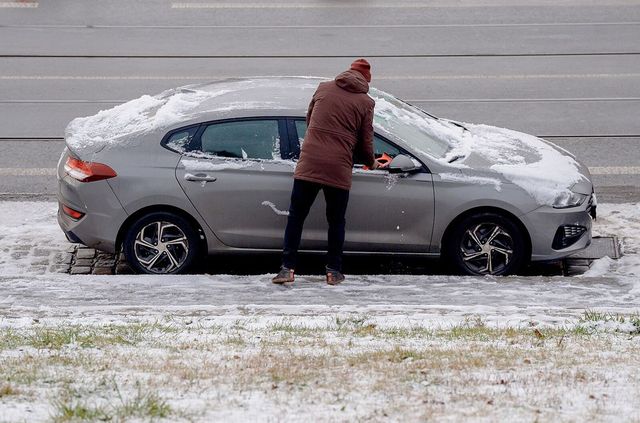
(375, 166)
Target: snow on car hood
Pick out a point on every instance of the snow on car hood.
(481, 152)
(544, 170)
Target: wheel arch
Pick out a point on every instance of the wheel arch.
(486, 209)
(159, 208)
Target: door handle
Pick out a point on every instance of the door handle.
(200, 177)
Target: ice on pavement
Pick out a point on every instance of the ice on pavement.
(598, 268)
(30, 234)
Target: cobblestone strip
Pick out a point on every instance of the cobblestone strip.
(81, 260)
(85, 261)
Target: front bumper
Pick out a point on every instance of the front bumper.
(543, 225)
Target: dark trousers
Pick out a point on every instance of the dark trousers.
(302, 197)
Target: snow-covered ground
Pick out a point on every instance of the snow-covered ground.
(31, 242)
(215, 347)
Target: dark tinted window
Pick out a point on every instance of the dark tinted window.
(179, 141)
(301, 128)
(251, 139)
(380, 146)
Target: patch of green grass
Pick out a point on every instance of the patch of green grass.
(351, 322)
(9, 338)
(590, 316)
(294, 330)
(395, 355)
(75, 410)
(70, 406)
(42, 337)
(236, 340)
(405, 332)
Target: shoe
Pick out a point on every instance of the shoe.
(285, 275)
(334, 277)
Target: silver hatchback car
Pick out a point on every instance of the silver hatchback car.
(207, 169)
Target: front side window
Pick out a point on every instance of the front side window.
(380, 146)
(250, 139)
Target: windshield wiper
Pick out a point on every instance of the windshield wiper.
(457, 157)
(453, 122)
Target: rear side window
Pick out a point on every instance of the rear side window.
(179, 141)
(252, 139)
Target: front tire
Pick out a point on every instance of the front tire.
(487, 244)
(161, 243)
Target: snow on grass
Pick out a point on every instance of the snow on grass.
(345, 369)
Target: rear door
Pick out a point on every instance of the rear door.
(238, 178)
(387, 212)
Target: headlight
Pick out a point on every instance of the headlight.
(569, 199)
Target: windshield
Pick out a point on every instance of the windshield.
(412, 125)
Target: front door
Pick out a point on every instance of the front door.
(387, 212)
(237, 179)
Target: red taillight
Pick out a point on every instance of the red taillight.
(88, 171)
(74, 214)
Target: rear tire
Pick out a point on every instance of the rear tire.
(161, 243)
(486, 244)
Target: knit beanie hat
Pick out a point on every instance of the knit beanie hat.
(363, 67)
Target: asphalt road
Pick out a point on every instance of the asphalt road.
(565, 70)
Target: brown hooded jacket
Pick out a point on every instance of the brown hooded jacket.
(339, 124)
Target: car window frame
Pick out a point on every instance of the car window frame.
(195, 144)
(165, 140)
(294, 147)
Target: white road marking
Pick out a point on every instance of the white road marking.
(368, 5)
(377, 78)
(615, 170)
(500, 25)
(18, 5)
(343, 5)
(596, 170)
(20, 171)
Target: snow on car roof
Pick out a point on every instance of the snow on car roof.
(150, 113)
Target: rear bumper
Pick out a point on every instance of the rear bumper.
(104, 214)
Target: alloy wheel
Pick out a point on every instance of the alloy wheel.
(161, 247)
(486, 248)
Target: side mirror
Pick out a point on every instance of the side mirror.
(402, 164)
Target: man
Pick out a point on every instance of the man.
(339, 124)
